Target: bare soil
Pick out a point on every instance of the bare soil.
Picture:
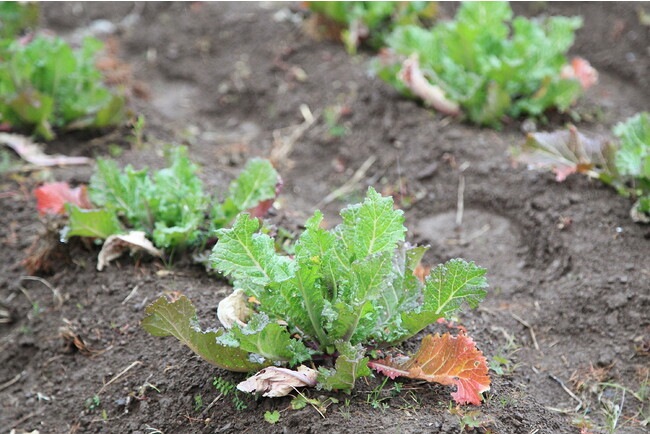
(569, 303)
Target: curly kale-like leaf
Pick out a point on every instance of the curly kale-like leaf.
(633, 160)
(125, 192)
(248, 256)
(372, 226)
(446, 289)
(303, 301)
(257, 185)
(178, 319)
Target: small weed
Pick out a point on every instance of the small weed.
(471, 419)
(609, 406)
(272, 416)
(320, 404)
(138, 133)
(36, 309)
(345, 410)
(115, 150)
(93, 403)
(332, 116)
(225, 387)
(198, 402)
(142, 390)
(374, 399)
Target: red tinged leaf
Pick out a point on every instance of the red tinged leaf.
(569, 151)
(264, 206)
(580, 70)
(447, 360)
(51, 197)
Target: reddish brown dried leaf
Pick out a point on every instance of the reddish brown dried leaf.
(569, 151)
(52, 197)
(447, 360)
(421, 272)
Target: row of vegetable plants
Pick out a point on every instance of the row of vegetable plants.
(488, 67)
(346, 296)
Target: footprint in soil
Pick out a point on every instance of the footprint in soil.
(490, 240)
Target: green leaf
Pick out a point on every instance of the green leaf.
(317, 245)
(178, 319)
(349, 366)
(369, 277)
(266, 338)
(633, 157)
(447, 288)
(125, 192)
(272, 417)
(372, 227)
(401, 295)
(98, 223)
(255, 184)
(248, 256)
(450, 285)
(303, 302)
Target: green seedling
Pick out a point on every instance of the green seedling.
(226, 387)
(198, 402)
(272, 417)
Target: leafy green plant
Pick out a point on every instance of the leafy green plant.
(624, 165)
(46, 85)
(486, 64)
(633, 157)
(346, 291)
(16, 17)
(170, 204)
(370, 22)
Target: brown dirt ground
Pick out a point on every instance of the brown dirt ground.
(565, 304)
